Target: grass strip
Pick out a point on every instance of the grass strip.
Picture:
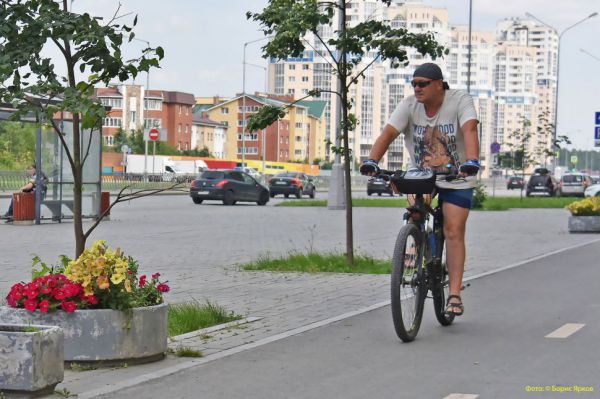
(320, 263)
(504, 203)
(490, 204)
(191, 316)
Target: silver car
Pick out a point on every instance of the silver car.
(572, 184)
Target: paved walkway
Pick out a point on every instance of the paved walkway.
(198, 248)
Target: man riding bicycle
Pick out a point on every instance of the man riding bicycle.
(440, 128)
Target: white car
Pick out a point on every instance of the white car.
(593, 191)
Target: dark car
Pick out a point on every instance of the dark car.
(514, 182)
(541, 184)
(379, 186)
(229, 186)
(295, 183)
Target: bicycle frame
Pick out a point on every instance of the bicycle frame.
(432, 236)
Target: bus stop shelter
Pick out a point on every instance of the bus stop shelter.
(51, 160)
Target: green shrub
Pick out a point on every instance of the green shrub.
(479, 196)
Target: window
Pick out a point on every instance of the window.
(112, 122)
(132, 116)
(112, 102)
(179, 131)
(291, 91)
(153, 105)
(305, 78)
(291, 78)
(305, 67)
(151, 122)
(180, 110)
(248, 137)
(298, 125)
(224, 110)
(109, 140)
(249, 150)
(291, 67)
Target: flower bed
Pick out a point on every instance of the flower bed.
(106, 311)
(585, 215)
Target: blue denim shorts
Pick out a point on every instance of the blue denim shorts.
(462, 198)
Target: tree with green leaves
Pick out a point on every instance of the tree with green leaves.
(288, 22)
(29, 80)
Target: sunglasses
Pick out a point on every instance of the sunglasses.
(420, 83)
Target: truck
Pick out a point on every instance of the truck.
(163, 168)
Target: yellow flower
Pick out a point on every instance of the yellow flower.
(117, 278)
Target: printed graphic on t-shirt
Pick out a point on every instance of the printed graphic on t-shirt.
(435, 147)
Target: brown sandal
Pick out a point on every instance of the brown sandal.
(452, 307)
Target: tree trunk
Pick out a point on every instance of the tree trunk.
(347, 159)
(77, 188)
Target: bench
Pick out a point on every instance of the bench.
(55, 207)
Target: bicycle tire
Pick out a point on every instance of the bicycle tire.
(408, 291)
(440, 293)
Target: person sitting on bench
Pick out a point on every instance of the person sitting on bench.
(28, 188)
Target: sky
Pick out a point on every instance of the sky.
(204, 41)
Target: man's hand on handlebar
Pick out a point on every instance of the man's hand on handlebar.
(469, 168)
(369, 168)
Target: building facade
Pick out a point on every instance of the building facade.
(133, 108)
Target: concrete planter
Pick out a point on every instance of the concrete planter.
(31, 359)
(584, 224)
(104, 335)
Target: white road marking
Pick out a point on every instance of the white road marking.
(461, 396)
(566, 330)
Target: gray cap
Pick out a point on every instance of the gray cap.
(431, 71)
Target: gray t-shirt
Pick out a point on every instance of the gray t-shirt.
(437, 141)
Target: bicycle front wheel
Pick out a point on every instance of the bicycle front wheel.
(408, 288)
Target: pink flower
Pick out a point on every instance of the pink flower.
(44, 305)
(142, 280)
(92, 300)
(31, 304)
(68, 306)
(31, 293)
(162, 287)
(155, 276)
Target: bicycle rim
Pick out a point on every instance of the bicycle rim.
(440, 293)
(407, 287)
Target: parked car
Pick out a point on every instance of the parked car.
(229, 186)
(541, 184)
(295, 183)
(379, 186)
(592, 191)
(574, 184)
(514, 182)
(595, 179)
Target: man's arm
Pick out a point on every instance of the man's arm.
(471, 136)
(28, 187)
(383, 142)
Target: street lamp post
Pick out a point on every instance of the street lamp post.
(264, 132)
(244, 98)
(144, 117)
(560, 35)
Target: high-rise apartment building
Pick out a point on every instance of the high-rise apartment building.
(512, 74)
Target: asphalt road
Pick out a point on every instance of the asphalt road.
(497, 350)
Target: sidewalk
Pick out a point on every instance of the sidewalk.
(201, 263)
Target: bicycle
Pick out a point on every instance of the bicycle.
(418, 265)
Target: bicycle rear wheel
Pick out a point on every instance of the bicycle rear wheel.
(408, 288)
(440, 292)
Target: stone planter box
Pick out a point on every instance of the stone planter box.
(31, 359)
(584, 224)
(104, 335)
